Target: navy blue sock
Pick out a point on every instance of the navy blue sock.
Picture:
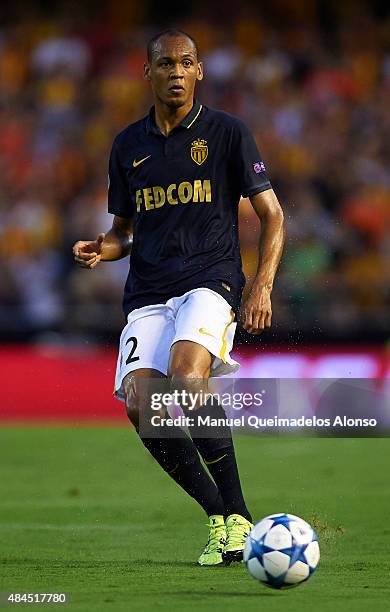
(180, 460)
(222, 465)
(219, 456)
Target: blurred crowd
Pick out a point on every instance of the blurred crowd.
(317, 101)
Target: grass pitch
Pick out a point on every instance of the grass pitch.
(86, 511)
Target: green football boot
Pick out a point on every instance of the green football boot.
(237, 530)
(212, 554)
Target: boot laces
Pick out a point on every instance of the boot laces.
(216, 539)
(237, 532)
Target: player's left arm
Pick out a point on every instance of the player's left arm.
(256, 311)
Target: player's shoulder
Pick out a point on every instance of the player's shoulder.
(223, 119)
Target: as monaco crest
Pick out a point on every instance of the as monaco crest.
(199, 151)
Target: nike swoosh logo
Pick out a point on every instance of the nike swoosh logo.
(140, 161)
(205, 333)
(215, 461)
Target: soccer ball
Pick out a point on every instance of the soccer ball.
(281, 551)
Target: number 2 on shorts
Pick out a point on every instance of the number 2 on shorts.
(130, 358)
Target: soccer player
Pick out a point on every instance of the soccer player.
(175, 181)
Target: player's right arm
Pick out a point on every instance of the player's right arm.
(114, 245)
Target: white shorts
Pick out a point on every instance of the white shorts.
(201, 315)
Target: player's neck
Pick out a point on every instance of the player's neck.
(168, 118)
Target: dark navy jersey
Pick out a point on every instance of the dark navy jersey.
(182, 192)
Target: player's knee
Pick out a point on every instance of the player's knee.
(187, 371)
(132, 402)
(189, 379)
(132, 410)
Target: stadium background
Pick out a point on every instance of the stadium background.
(84, 509)
(311, 79)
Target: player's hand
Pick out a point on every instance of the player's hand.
(88, 253)
(256, 311)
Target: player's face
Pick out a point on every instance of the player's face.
(174, 70)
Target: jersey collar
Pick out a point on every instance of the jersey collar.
(187, 122)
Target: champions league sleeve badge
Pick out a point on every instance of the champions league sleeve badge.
(259, 167)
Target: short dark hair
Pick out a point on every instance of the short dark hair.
(172, 32)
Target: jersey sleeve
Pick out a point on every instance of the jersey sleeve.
(119, 200)
(248, 166)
